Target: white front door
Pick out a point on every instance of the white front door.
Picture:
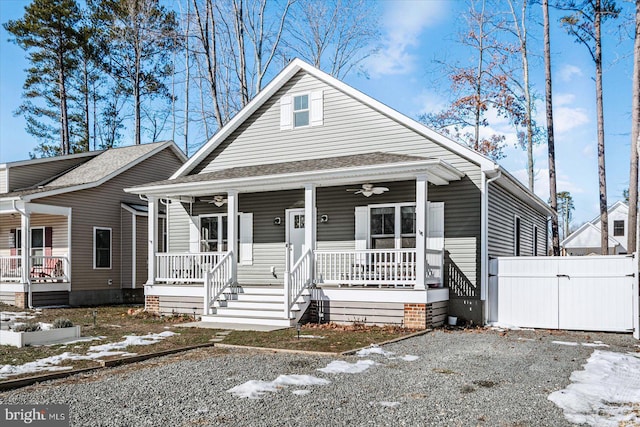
(295, 233)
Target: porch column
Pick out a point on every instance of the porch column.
(421, 231)
(309, 217)
(232, 230)
(152, 235)
(25, 224)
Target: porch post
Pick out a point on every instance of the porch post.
(152, 223)
(309, 217)
(232, 230)
(25, 224)
(421, 231)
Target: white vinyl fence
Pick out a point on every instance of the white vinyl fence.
(591, 293)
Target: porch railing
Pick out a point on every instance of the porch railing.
(42, 268)
(185, 267)
(297, 280)
(11, 268)
(216, 280)
(389, 267)
(49, 268)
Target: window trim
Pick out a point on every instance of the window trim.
(623, 227)
(95, 229)
(534, 252)
(398, 235)
(517, 235)
(18, 240)
(294, 111)
(222, 240)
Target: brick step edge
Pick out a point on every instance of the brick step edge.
(23, 382)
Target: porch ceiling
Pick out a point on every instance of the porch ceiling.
(344, 170)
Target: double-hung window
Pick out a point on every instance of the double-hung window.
(300, 111)
(393, 227)
(101, 247)
(618, 228)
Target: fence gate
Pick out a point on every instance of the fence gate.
(594, 293)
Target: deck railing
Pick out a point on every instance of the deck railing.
(11, 268)
(185, 267)
(42, 268)
(297, 280)
(49, 268)
(388, 267)
(217, 279)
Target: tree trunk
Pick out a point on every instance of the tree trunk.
(602, 176)
(553, 194)
(635, 141)
(208, 40)
(242, 67)
(479, 81)
(64, 118)
(186, 84)
(85, 90)
(527, 97)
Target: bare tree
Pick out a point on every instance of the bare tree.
(635, 137)
(585, 24)
(519, 29)
(555, 241)
(480, 87)
(333, 35)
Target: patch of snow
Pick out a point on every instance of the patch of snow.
(374, 349)
(45, 326)
(604, 393)
(386, 404)
(501, 327)
(565, 343)
(342, 367)
(94, 352)
(320, 337)
(254, 389)
(410, 358)
(300, 392)
(8, 316)
(132, 340)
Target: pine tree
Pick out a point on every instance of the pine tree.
(47, 31)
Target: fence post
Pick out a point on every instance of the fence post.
(287, 280)
(636, 297)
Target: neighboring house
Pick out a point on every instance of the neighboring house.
(70, 234)
(318, 198)
(586, 239)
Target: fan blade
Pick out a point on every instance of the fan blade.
(366, 193)
(379, 190)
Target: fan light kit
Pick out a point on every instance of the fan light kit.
(217, 200)
(368, 190)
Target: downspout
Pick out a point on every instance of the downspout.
(484, 243)
(28, 276)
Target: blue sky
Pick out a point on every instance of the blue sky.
(414, 34)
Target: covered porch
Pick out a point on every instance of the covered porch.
(35, 251)
(396, 244)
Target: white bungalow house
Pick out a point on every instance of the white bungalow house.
(586, 239)
(316, 200)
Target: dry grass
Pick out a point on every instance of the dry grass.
(327, 338)
(114, 322)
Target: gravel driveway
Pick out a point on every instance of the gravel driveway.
(467, 378)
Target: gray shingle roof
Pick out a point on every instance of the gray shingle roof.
(284, 168)
(94, 170)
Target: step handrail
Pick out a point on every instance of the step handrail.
(297, 280)
(217, 280)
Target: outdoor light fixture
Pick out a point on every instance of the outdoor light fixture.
(277, 221)
(324, 218)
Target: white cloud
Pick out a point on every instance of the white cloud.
(560, 99)
(589, 151)
(568, 72)
(404, 21)
(566, 119)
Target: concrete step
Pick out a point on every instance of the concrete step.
(243, 320)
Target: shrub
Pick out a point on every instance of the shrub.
(62, 323)
(27, 327)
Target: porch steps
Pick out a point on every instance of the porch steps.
(256, 305)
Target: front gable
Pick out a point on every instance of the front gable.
(339, 124)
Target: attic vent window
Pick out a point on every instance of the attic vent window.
(300, 111)
(618, 228)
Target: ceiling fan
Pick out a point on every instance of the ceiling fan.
(368, 190)
(218, 200)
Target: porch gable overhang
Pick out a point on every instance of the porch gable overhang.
(438, 172)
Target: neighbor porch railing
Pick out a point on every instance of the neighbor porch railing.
(388, 267)
(42, 268)
(217, 279)
(11, 268)
(296, 280)
(185, 267)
